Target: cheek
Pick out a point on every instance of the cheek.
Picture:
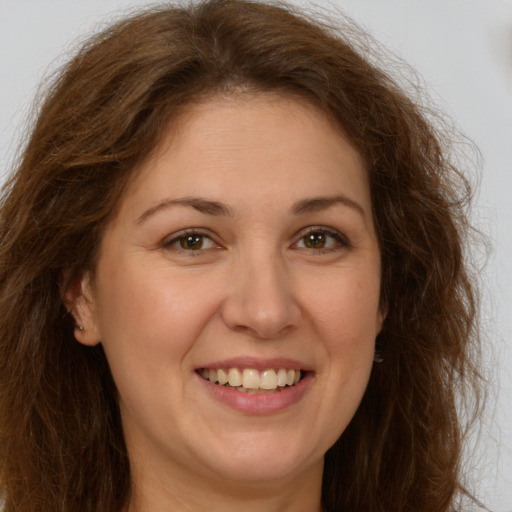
(346, 310)
(147, 318)
(148, 299)
(149, 321)
(345, 317)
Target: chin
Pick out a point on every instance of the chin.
(263, 458)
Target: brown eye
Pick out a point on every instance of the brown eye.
(315, 240)
(192, 242)
(321, 239)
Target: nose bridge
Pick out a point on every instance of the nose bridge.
(261, 301)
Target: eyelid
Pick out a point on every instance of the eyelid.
(341, 239)
(173, 238)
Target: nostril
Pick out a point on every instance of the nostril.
(241, 328)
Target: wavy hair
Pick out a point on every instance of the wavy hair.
(61, 440)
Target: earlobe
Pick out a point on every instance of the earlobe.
(381, 317)
(78, 297)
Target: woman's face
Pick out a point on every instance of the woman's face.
(243, 250)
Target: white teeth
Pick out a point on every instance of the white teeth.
(268, 379)
(251, 379)
(234, 377)
(222, 377)
(281, 377)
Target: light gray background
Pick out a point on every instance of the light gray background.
(463, 50)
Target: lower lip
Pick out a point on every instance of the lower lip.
(264, 403)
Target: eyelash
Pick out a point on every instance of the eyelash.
(340, 240)
(182, 235)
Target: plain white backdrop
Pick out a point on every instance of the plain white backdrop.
(462, 49)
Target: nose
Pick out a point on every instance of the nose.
(261, 301)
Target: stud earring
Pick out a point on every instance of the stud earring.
(378, 356)
(80, 327)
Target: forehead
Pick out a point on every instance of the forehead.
(255, 144)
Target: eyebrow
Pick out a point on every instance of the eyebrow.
(216, 208)
(202, 205)
(317, 204)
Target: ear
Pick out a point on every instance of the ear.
(382, 313)
(78, 297)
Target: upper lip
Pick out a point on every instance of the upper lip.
(258, 363)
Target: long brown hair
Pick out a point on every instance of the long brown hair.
(61, 441)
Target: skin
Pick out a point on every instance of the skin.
(255, 287)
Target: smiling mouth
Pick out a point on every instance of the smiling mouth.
(252, 381)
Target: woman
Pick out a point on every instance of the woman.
(232, 275)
